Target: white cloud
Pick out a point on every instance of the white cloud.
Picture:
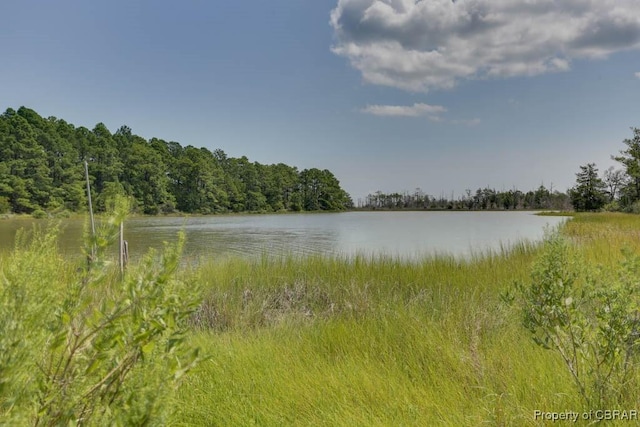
(432, 112)
(637, 75)
(469, 122)
(418, 45)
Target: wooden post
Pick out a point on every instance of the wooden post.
(124, 250)
(121, 246)
(93, 224)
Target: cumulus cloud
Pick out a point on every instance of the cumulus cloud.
(418, 45)
(637, 75)
(432, 112)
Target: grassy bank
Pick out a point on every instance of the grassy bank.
(291, 341)
(320, 341)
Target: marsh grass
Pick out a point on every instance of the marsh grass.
(556, 213)
(378, 341)
(248, 294)
(344, 341)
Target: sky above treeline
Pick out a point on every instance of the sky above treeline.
(389, 95)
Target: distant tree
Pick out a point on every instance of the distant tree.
(560, 201)
(630, 159)
(25, 175)
(197, 182)
(65, 171)
(468, 199)
(614, 180)
(144, 173)
(508, 200)
(105, 165)
(321, 191)
(541, 198)
(589, 193)
(280, 186)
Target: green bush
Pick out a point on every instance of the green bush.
(39, 214)
(5, 206)
(613, 206)
(63, 213)
(634, 207)
(589, 317)
(89, 346)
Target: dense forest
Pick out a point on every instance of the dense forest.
(482, 199)
(42, 171)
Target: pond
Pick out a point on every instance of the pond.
(407, 235)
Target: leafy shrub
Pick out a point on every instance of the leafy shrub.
(590, 317)
(88, 346)
(5, 206)
(613, 206)
(168, 207)
(39, 214)
(62, 213)
(634, 207)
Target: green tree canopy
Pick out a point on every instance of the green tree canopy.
(42, 167)
(589, 194)
(630, 159)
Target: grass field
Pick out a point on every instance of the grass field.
(324, 341)
(330, 341)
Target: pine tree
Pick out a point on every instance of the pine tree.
(589, 194)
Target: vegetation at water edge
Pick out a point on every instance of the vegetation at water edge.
(319, 341)
(85, 344)
(327, 340)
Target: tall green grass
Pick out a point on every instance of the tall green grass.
(248, 294)
(377, 341)
(346, 341)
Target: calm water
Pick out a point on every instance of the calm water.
(409, 235)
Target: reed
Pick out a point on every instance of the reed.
(378, 341)
(345, 341)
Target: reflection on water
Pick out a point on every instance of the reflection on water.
(408, 235)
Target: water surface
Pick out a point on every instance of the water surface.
(408, 235)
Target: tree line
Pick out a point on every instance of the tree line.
(42, 170)
(617, 189)
(482, 199)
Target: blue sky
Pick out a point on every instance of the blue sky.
(388, 95)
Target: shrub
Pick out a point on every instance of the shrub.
(613, 206)
(589, 317)
(39, 214)
(88, 346)
(167, 208)
(62, 213)
(634, 207)
(5, 206)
